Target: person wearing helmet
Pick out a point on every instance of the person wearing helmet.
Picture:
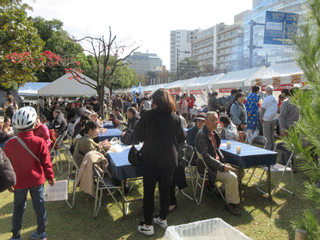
(30, 172)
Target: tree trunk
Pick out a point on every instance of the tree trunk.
(101, 92)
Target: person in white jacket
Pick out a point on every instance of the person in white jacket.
(229, 130)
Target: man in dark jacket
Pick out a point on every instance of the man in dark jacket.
(214, 104)
(207, 144)
(132, 124)
(117, 102)
(96, 106)
(59, 123)
(192, 132)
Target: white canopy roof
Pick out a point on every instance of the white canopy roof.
(238, 79)
(179, 84)
(283, 72)
(153, 88)
(203, 82)
(65, 87)
(30, 89)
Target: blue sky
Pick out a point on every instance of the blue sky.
(143, 23)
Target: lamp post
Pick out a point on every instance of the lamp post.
(251, 46)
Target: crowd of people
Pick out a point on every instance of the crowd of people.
(161, 122)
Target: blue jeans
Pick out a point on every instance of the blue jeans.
(20, 203)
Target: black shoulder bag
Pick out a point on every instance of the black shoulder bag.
(135, 157)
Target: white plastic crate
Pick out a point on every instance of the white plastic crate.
(213, 229)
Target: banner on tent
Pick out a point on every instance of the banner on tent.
(195, 91)
(225, 90)
(276, 81)
(147, 92)
(295, 78)
(174, 91)
(258, 81)
(279, 87)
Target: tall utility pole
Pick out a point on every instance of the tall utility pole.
(251, 46)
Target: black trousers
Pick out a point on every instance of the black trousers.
(152, 175)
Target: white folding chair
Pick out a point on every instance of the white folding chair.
(203, 177)
(279, 168)
(73, 171)
(261, 140)
(104, 180)
(55, 153)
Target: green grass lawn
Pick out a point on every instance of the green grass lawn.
(261, 218)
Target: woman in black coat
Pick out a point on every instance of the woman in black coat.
(160, 130)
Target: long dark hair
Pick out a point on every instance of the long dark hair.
(164, 101)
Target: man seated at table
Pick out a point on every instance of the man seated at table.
(192, 132)
(59, 123)
(132, 124)
(207, 144)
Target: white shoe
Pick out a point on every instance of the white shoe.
(162, 223)
(146, 230)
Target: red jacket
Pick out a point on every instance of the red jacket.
(29, 172)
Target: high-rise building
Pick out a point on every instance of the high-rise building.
(144, 62)
(204, 46)
(259, 8)
(230, 44)
(180, 46)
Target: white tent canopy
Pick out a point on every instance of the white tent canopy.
(279, 74)
(238, 79)
(179, 84)
(202, 83)
(65, 87)
(30, 89)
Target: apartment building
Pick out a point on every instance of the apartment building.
(259, 8)
(230, 44)
(180, 46)
(204, 46)
(144, 62)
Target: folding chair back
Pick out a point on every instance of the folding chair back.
(261, 140)
(104, 180)
(203, 177)
(55, 154)
(281, 147)
(189, 154)
(73, 170)
(279, 168)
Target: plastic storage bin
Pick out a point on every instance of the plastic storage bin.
(213, 229)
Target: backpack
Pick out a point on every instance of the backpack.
(229, 107)
(7, 174)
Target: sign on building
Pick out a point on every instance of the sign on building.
(279, 28)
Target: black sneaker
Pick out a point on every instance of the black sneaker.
(145, 230)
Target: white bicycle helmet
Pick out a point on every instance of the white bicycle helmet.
(24, 118)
